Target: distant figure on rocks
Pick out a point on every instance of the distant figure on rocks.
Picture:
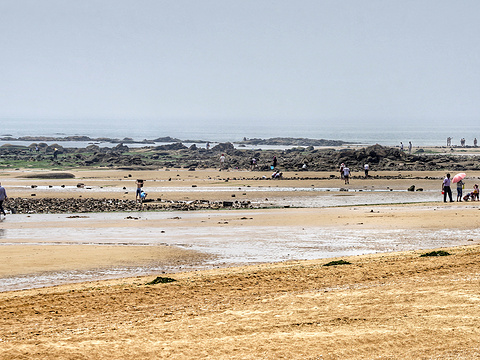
(342, 166)
(274, 162)
(222, 161)
(3, 197)
(449, 141)
(346, 175)
(401, 146)
(460, 190)
(253, 164)
(55, 153)
(208, 145)
(475, 142)
(462, 142)
(366, 167)
(409, 147)
(138, 193)
(446, 188)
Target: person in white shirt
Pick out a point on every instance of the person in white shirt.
(366, 167)
(346, 174)
(446, 188)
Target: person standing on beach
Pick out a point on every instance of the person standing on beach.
(346, 174)
(253, 164)
(460, 190)
(342, 166)
(222, 161)
(446, 188)
(475, 142)
(366, 167)
(274, 162)
(401, 146)
(3, 197)
(138, 193)
(409, 147)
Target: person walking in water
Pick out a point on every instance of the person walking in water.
(446, 188)
(3, 197)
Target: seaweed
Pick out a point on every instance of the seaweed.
(436, 253)
(160, 280)
(337, 262)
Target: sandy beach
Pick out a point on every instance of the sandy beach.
(249, 283)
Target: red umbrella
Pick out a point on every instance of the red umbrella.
(458, 177)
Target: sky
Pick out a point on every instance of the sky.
(278, 61)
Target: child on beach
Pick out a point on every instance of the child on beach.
(475, 192)
(138, 193)
(473, 195)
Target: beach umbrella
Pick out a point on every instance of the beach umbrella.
(458, 177)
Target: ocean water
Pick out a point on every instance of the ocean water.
(389, 133)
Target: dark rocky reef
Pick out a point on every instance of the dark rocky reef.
(87, 205)
(177, 155)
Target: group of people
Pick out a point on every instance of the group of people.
(345, 172)
(462, 142)
(447, 191)
(409, 147)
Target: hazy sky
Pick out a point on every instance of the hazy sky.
(319, 60)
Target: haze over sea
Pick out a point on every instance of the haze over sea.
(389, 133)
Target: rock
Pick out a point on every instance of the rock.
(411, 188)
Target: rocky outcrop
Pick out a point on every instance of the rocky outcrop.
(80, 205)
(177, 155)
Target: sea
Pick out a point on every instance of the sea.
(388, 133)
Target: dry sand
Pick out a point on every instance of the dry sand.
(390, 306)
(395, 306)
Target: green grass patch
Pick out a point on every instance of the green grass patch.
(160, 280)
(337, 262)
(436, 253)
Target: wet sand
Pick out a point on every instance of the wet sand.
(390, 303)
